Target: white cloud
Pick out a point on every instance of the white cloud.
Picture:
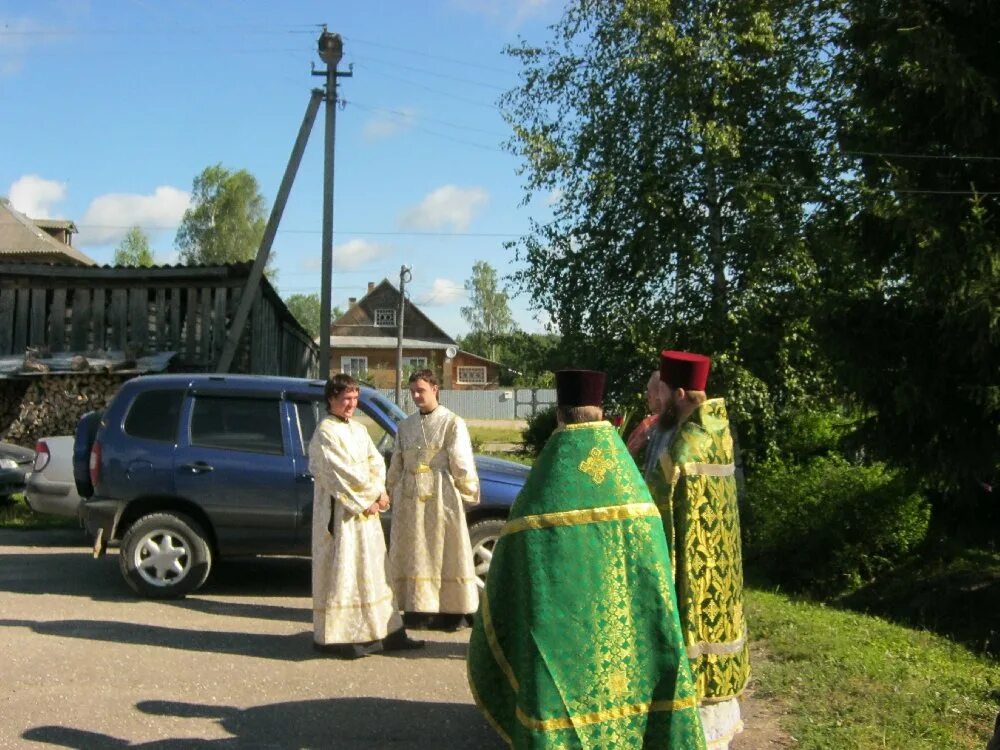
(449, 206)
(442, 292)
(387, 123)
(353, 254)
(34, 196)
(109, 216)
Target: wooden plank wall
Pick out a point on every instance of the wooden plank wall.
(189, 316)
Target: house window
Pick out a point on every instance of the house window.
(385, 317)
(472, 375)
(354, 366)
(416, 363)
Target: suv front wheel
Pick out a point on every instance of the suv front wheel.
(165, 556)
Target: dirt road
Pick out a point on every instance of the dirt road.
(88, 665)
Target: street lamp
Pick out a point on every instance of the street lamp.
(331, 48)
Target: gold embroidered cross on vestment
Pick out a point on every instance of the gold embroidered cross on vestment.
(596, 465)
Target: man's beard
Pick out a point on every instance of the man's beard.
(668, 417)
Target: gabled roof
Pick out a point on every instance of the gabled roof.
(412, 312)
(22, 238)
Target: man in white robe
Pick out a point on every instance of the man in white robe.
(354, 609)
(432, 477)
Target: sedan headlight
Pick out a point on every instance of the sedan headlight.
(8, 463)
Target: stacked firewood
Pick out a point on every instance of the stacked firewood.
(52, 404)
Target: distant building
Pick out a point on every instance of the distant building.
(363, 343)
(24, 240)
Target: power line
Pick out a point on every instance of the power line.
(466, 63)
(340, 232)
(444, 135)
(412, 116)
(426, 72)
(408, 82)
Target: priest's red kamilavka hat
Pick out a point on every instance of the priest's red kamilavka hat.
(684, 370)
(579, 387)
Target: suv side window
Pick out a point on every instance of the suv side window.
(242, 424)
(153, 415)
(309, 416)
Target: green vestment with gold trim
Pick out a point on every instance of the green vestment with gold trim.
(694, 486)
(577, 643)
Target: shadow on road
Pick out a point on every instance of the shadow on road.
(284, 647)
(343, 722)
(297, 647)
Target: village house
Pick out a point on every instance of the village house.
(363, 343)
(24, 240)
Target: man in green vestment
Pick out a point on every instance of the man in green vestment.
(577, 642)
(692, 481)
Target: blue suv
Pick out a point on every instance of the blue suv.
(181, 470)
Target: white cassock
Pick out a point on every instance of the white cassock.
(352, 599)
(432, 477)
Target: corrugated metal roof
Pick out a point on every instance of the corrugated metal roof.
(384, 342)
(61, 364)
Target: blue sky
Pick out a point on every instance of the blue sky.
(111, 107)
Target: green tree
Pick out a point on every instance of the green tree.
(306, 309)
(134, 250)
(678, 141)
(226, 219)
(488, 312)
(910, 251)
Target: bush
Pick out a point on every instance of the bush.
(541, 424)
(828, 525)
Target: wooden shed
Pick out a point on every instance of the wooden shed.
(182, 309)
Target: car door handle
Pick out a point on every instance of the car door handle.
(199, 467)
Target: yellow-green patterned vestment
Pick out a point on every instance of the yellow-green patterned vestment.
(577, 642)
(694, 485)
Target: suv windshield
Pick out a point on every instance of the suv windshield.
(388, 408)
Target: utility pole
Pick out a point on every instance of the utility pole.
(331, 50)
(404, 277)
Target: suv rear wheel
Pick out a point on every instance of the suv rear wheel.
(483, 535)
(165, 556)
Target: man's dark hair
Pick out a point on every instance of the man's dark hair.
(338, 384)
(426, 375)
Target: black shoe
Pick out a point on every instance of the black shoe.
(347, 651)
(400, 641)
(417, 620)
(449, 623)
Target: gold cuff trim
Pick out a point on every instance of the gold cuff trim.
(717, 649)
(708, 470)
(586, 425)
(362, 605)
(618, 712)
(494, 644)
(421, 469)
(580, 517)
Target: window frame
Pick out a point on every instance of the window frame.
(409, 362)
(351, 372)
(482, 368)
(391, 311)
